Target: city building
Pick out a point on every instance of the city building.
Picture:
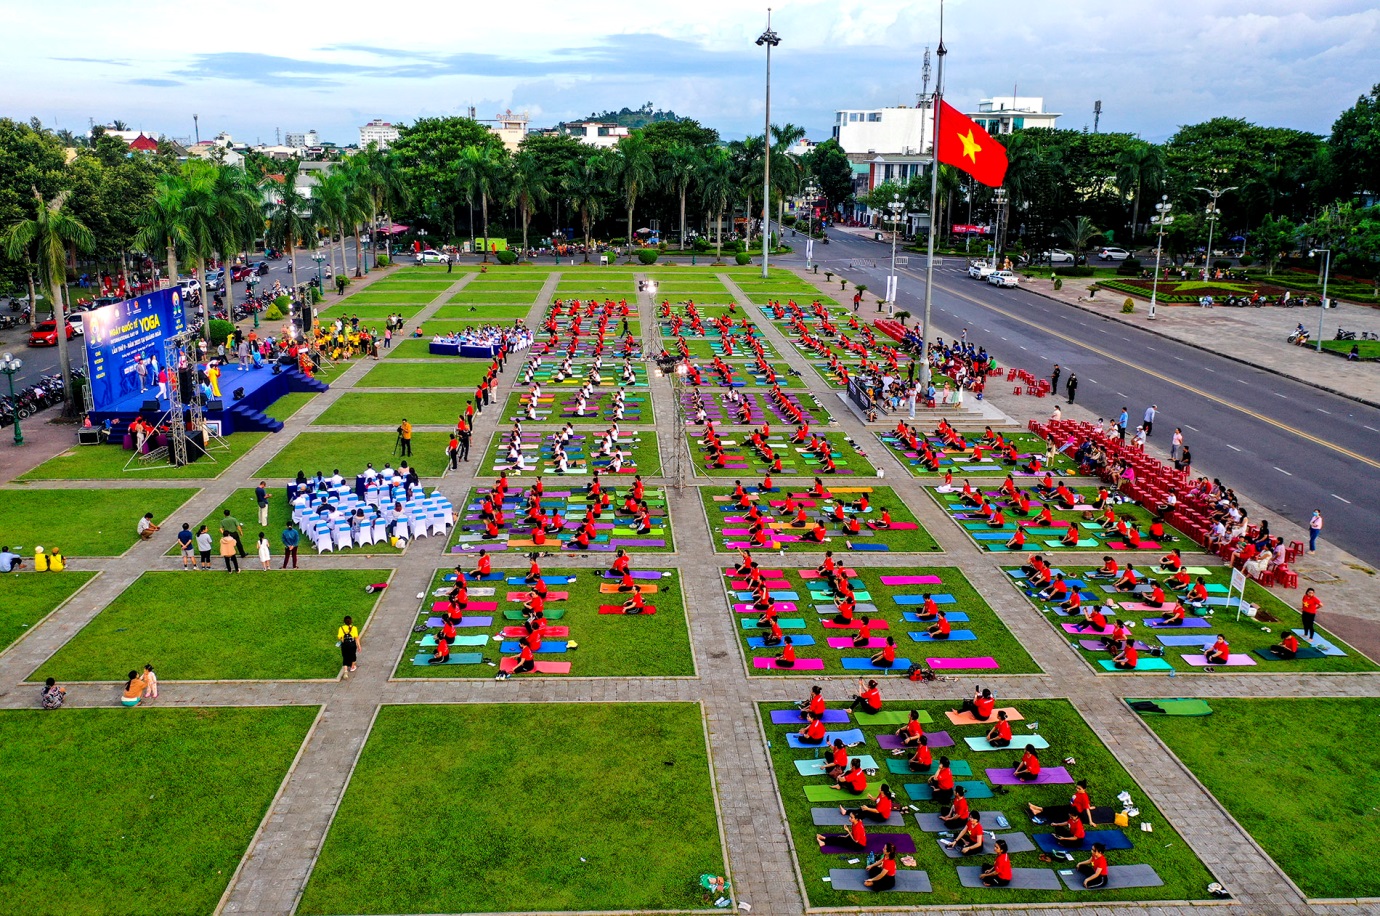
(593, 133)
(301, 140)
(511, 128)
(1005, 113)
(377, 131)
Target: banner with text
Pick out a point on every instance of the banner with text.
(122, 335)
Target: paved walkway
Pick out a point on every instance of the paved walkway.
(760, 857)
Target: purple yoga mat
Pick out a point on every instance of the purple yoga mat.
(905, 843)
(464, 622)
(947, 664)
(636, 574)
(795, 717)
(1233, 661)
(801, 664)
(638, 542)
(1049, 776)
(910, 580)
(937, 739)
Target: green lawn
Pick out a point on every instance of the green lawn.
(1298, 815)
(367, 311)
(470, 315)
(29, 597)
(1049, 542)
(244, 507)
(643, 450)
(794, 463)
(610, 645)
(1185, 877)
(636, 842)
(81, 524)
(571, 507)
(107, 805)
(1365, 349)
(1026, 444)
(636, 397)
(387, 297)
(197, 626)
(97, 462)
(355, 408)
(1244, 636)
(289, 404)
(312, 451)
(462, 374)
(717, 507)
(993, 638)
(489, 295)
(705, 349)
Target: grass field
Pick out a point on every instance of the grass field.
(312, 451)
(610, 645)
(213, 625)
(82, 523)
(993, 638)
(96, 462)
(1365, 349)
(915, 540)
(794, 463)
(427, 408)
(1332, 760)
(1245, 636)
(289, 404)
(1026, 443)
(462, 374)
(386, 297)
(245, 508)
(1185, 877)
(601, 417)
(368, 311)
(495, 296)
(642, 450)
(108, 805)
(1049, 542)
(29, 597)
(470, 315)
(702, 348)
(638, 842)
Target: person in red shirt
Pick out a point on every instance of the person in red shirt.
(885, 522)
(1156, 596)
(1070, 536)
(981, 705)
(447, 630)
(854, 780)
(855, 839)
(941, 628)
(846, 609)
(969, 839)
(776, 637)
(999, 873)
(533, 572)
(881, 875)
(621, 563)
(1094, 619)
(1219, 653)
(442, 652)
(1107, 571)
(942, 783)
(887, 657)
(1057, 591)
(1174, 617)
(813, 732)
(626, 584)
(999, 735)
(525, 661)
(815, 702)
(929, 608)
(787, 657)
(1198, 595)
(1288, 647)
(1094, 870)
(922, 761)
(1070, 832)
(1172, 561)
(868, 697)
(1017, 541)
(1080, 806)
(485, 567)
(1028, 767)
(1075, 603)
(880, 808)
(1128, 657)
(863, 638)
(1127, 582)
(635, 604)
(836, 760)
(912, 731)
(1311, 605)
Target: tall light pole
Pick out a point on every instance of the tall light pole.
(811, 195)
(1161, 218)
(934, 188)
(10, 365)
(1213, 214)
(769, 39)
(896, 207)
(1322, 306)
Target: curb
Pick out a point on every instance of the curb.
(1236, 359)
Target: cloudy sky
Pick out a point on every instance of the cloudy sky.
(250, 67)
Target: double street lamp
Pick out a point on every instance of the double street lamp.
(1213, 214)
(1161, 218)
(1322, 306)
(769, 40)
(10, 365)
(897, 207)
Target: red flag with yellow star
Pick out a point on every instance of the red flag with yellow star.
(969, 148)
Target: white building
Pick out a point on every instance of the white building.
(884, 130)
(511, 128)
(594, 133)
(301, 140)
(377, 131)
(1003, 114)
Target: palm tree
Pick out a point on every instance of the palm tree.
(1077, 234)
(630, 172)
(288, 212)
(358, 206)
(716, 191)
(483, 168)
(748, 163)
(787, 171)
(950, 184)
(51, 231)
(584, 187)
(238, 222)
(382, 181)
(528, 185)
(163, 224)
(678, 170)
(1139, 168)
(329, 201)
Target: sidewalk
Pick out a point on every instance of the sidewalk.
(1255, 336)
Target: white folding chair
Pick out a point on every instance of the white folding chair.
(342, 537)
(322, 539)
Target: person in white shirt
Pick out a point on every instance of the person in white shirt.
(1176, 442)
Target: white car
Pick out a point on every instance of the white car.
(1114, 254)
(189, 285)
(431, 255)
(979, 270)
(1004, 278)
(1057, 256)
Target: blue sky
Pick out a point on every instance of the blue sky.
(251, 67)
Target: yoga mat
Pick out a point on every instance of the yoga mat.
(815, 766)
(908, 881)
(466, 621)
(904, 843)
(801, 664)
(552, 580)
(843, 642)
(910, 580)
(954, 617)
(967, 718)
(491, 577)
(429, 641)
(1078, 630)
(1026, 879)
(831, 625)
(550, 596)
(760, 642)
(1049, 776)
(1016, 842)
(1234, 660)
(1118, 876)
(547, 632)
(1202, 642)
(902, 765)
(636, 574)
(920, 791)
(908, 600)
(1190, 623)
(850, 737)
(1302, 653)
(830, 817)
(1112, 839)
(890, 717)
(785, 623)
(553, 647)
(860, 664)
(796, 717)
(1018, 743)
(954, 636)
(1142, 664)
(440, 606)
(868, 547)
(1174, 707)
(1096, 645)
(550, 614)
(647, 611)
(949, 664)
(892, 742)
(781, 607)
(991, 820)
(456, 658)
(1317, 642)
(508, 664)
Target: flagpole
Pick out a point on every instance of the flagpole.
(936, 104)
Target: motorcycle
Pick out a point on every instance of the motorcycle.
(1299, 338)
(1345, 335)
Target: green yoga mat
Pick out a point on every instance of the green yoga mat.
(890, 717)
(829, 794)
(550, 614)
(1142, 664)
(1175, 707)
(901, 765)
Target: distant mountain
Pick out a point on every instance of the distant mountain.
(629, 117)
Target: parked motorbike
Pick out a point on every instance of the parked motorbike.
(1345, 335)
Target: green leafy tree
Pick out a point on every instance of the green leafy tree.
(787, 171)
(163, 223)
(529, 185)
(1272, 239)
(584, 185)
(630, 171)
(380, 177)
(1139, 168)
(1353, 149)
(483, 170)
(678, 168)
(288, 212)
(828, 164)
(430, 155)
(1078, 233)
(716, 192)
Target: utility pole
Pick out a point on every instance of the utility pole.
(196, 127)
(769, 39)
(1097, 114)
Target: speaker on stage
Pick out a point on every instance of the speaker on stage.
(185, 386)
(237, 394)
(215, 404)
(150, 407)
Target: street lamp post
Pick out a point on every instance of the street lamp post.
(1322, 306)
(896, 207)
(1161, 218)
(10, 365)
(811, 195)
(1213, 214)
(769, 40)
(318, 258)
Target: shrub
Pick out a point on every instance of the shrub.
(273, 313)
(1222, 264)
(662, 246)
(382, 261)
(648, 255)
(220, 331)
(903, 315)
(788, 219)
(1074, 271)
(742, 258)
(282, 302)
(739, 245)
(1129, 267)
(1058, 283)
(1247, 260)
(1128, 306)
(506, 257)
(702, 245)
(828, 276)
(618, 241)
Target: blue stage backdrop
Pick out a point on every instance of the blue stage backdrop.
(122, 331)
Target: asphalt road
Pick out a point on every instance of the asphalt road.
(1289, 446)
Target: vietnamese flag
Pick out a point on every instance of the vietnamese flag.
(969, 148)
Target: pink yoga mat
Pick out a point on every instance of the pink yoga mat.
(550, 596)
(830, 625)
(1142, 606)
(1048, 776)
(946, 664)
(815, 574)
(1074, 628)
(440, 606)
(769, 573)
(801, 664)
(1233, 661)
(904, 842)
(508, 664)
(742, 584)
(911, 580)
(843, 642)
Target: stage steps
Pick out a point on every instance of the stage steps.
(249, 420)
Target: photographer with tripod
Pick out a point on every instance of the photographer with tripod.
(404, 438)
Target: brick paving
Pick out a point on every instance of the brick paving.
(760, 857)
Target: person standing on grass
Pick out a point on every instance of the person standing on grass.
(230, 526)
(203, 546)
(1314, 530)
(187, 541)
(265, 557)
(1311, 605)
(290, 541)
(227, 552)
(347, 637)
(261, 499)
(405, 437)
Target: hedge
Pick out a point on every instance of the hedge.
(648, 255)
(742, 257)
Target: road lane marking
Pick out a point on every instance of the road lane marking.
(1282, 471)
(1347, 501)
(1232, 447)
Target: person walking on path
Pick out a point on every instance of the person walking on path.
(1314, 530)
(1054, 378)
(231, 527)
(1072, 385)
(465, 444)
(261, 498)
(290, 541)
(1148, 421)
(453, 451)
(1176, 442)
(405, 437)
(227, 552)
(347, 637)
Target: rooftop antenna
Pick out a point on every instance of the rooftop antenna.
(923, 100)
(1097, 114)
(196, 126)
(277, 136)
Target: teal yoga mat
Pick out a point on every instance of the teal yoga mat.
(1018, 743)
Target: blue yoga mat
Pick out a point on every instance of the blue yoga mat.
(953, 616)
(865, 664)
(954, 636)
(553, 647)
(796, 717)
(847, 736)
(920, 599)
(1112, 839)
(759, 642)
(869, 547)
(1186, 640)
(549, 580)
